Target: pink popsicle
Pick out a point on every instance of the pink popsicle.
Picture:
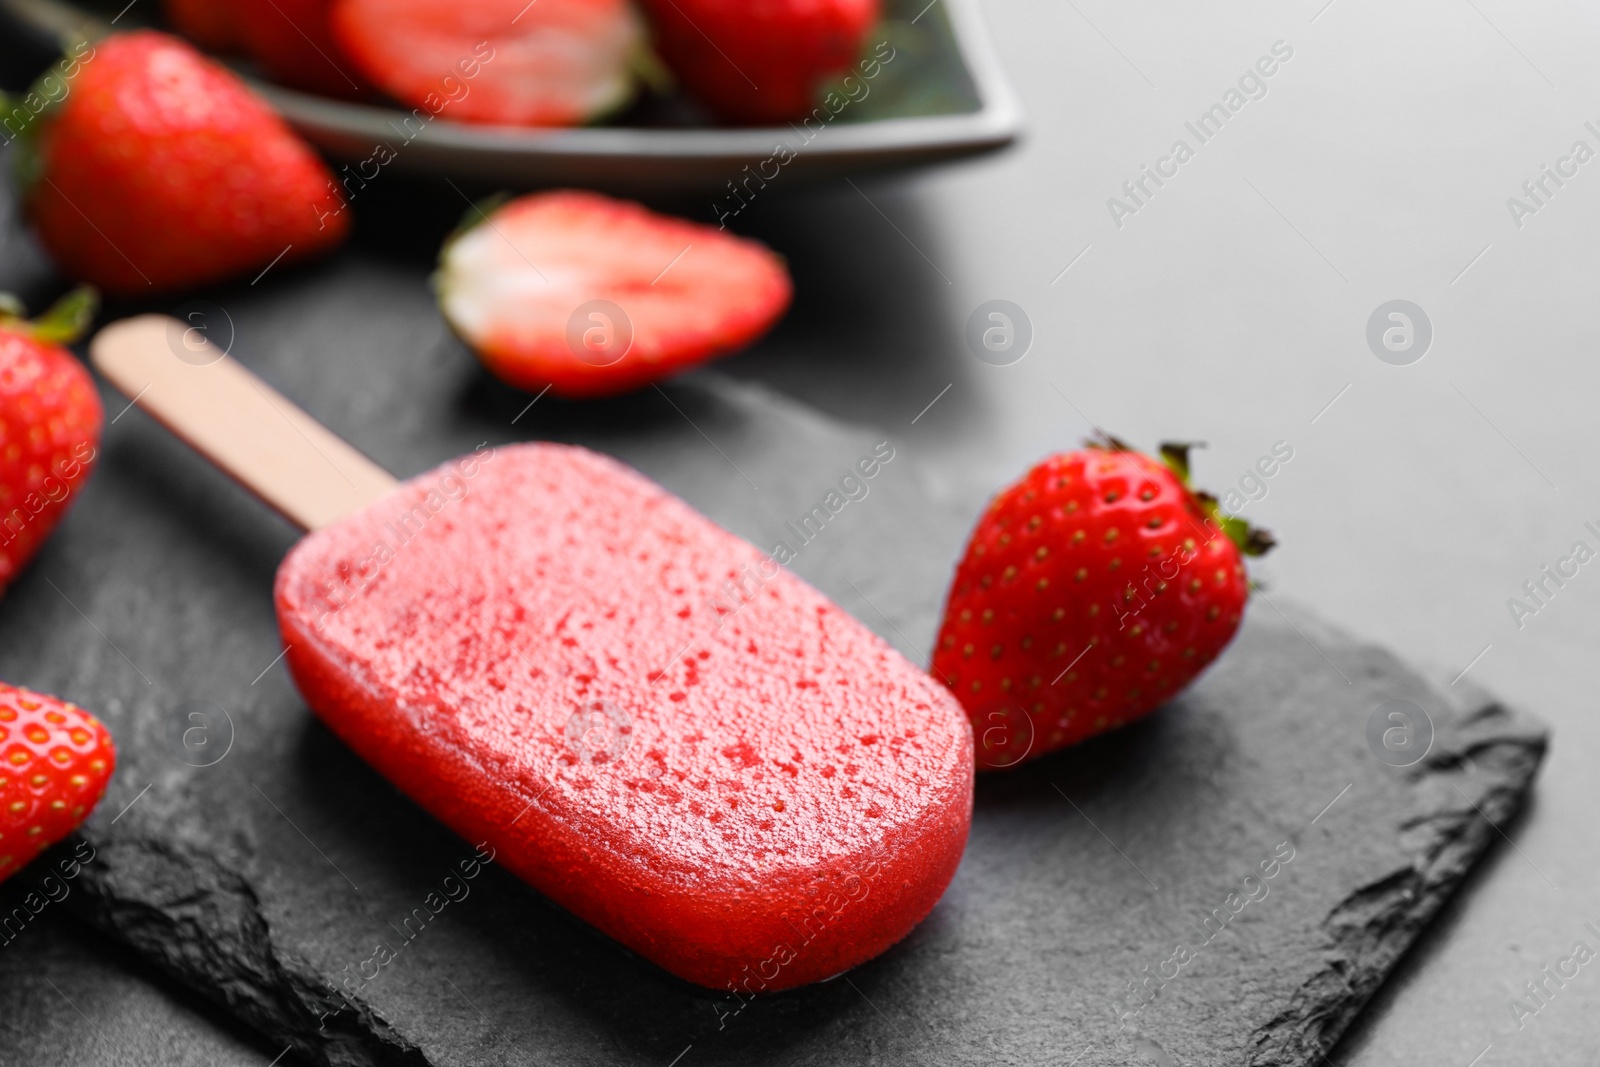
(524, 641)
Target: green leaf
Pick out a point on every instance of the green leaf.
(25, 115)
(1106, 442)
(649, 69)
(479, 213)
(1250, 540)
(1175, 454)
(69, 317)
(1257, 542)
(63, 324)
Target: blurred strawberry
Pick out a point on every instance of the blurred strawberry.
(55, 762)
(511, 62)
(757, 61)
(160, 170)
(49, 424)
(593, 296)
(293, 42)
(211, 24)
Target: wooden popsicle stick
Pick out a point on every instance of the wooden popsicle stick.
(244, 426)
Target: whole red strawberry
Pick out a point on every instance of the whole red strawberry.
(293, 42)
(1092, 591)
(49, 425)
(211, 24)
(160, 170)
(55, 761)
(759, 60)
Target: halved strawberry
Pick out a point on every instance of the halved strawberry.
(510, 62)
(55, 761)
(593, 296)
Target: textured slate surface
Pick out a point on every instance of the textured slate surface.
(269, 876)
(70, 996)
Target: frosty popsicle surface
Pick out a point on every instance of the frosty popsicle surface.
(523, 640)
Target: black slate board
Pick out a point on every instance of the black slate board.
(260, 878)
(58, 968)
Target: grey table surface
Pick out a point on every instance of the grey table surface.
(1232, 306)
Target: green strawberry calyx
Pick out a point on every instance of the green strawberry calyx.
(24, 116)
(66, 320)
(1250, 540)
(481, 212)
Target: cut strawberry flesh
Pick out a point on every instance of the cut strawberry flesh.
(761, 793)
(687, 292)
(548, 63)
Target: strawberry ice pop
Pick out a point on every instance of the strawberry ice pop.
(523, 640)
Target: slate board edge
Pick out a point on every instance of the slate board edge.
(209, 933)
(1377, 924)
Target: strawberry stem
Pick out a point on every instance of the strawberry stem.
(36, 108)
(1107, 443)
(479, 213)
(1175, 454)
(1250, 540)
(65, 321)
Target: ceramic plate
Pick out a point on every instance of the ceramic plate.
(940, 96)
